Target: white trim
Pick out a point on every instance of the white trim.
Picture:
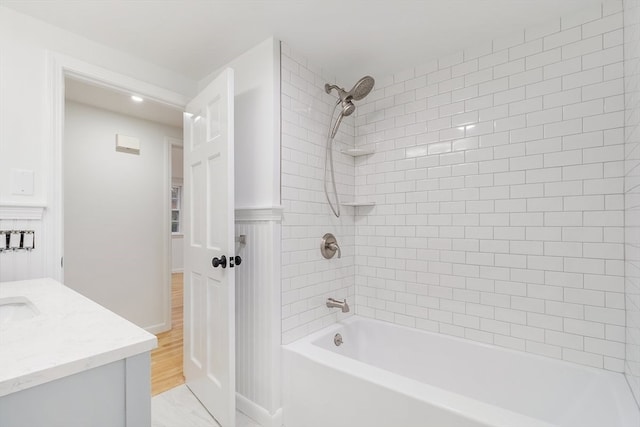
(26, 211)
(159, 327)
(177, 270)
(168, 241)
(95, 75)
(258, 413)
(269, 213)
(177, 142)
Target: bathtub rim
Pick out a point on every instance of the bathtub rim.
(357, 318)
(464, 406)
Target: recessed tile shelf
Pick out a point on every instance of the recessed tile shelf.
(356, 152)
(358, 203)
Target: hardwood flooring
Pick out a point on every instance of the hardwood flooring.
(166, 360)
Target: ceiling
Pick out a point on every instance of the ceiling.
(347, 38)
(120, 102)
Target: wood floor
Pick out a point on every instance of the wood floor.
(166, 360)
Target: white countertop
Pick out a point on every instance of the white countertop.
(71, 334)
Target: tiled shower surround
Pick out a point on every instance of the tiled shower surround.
(632, 189)
(498, 179)
(307, 278)
(498, 182)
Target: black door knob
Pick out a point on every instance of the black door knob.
(235, 259)
(222, 262)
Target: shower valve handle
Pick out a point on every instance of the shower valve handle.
(222, 262)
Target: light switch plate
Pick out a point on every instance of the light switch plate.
(14, 240)
(27, 241)
(22, 182)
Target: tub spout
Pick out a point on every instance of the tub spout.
(334, 303)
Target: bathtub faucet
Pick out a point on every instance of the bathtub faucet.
(334, 303)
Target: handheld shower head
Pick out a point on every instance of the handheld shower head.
(357, 92)
(347, 108)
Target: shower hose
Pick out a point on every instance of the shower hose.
(328, 159)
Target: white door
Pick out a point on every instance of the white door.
(209, 292)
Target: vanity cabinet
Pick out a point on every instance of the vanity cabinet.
(72, 362)
(113, 395)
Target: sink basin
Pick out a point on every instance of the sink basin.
(16, 308)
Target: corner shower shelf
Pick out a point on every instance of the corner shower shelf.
(355, 152)
(359, 203)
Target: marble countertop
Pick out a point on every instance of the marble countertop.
(70, 334)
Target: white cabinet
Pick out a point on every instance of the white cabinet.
(71, 362)
(114, 395)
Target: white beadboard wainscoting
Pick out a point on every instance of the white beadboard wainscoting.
(258, 315)
(22, 265)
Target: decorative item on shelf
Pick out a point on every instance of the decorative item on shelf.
(356, 152)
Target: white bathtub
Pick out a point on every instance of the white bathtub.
(391, 376)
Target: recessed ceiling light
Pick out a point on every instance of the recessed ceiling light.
(136, 98)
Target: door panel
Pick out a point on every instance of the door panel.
(198, 179)
(209, 362)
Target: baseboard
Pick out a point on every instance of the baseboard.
(277, 418)
(158, 328)
(258, 413)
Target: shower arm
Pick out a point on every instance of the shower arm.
(343, 94)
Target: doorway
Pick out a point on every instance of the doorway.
(116, 178)
(122, 202)
(214, 122)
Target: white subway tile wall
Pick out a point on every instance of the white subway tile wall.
(308, 279)
(632, 190)
(499, 186)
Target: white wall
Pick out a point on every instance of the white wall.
(177, 253)
(115, 224)
(257, 125)
(632, 189)
(24, 44)
(25, 107)
(308, 279)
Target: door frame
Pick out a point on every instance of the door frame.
(60, 67)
